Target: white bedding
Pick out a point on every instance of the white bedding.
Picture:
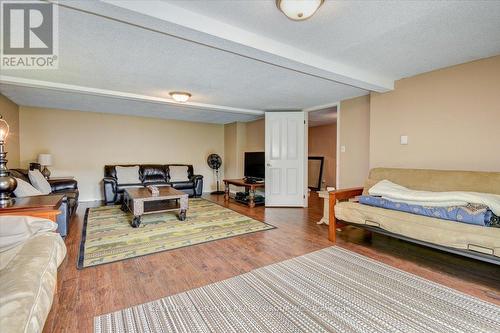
(394, 192)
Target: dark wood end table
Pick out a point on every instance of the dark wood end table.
(249, 187)
(43, 206)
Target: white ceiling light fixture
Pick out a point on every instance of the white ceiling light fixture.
(180, 96)
(299, 10)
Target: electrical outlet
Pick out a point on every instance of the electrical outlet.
(404, 139)
(342, 149)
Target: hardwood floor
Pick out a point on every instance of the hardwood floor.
(83, 294)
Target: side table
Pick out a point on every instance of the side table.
(249, 187)
(326, 209)
(43, 206)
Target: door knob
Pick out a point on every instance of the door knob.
(268, 164)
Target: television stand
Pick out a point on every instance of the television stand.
(249, 187)
(253, 180)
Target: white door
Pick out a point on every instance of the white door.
(285, 159)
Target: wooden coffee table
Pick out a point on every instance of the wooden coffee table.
(139, 201)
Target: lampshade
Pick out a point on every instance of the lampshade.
(180, 96)
(299, 10)
(45, 159)
(4, 129)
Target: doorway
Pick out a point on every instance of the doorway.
(285, 156)
(322, 148)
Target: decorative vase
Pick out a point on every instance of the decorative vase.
(7, 183)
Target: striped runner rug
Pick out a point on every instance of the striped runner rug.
(331, 290)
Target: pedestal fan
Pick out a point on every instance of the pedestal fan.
(214, 162)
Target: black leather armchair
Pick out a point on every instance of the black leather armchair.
(68, 187)
(150, 174)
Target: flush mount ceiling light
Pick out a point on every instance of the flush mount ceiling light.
(180, 96)
(299, 10)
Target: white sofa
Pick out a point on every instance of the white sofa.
(30, 253)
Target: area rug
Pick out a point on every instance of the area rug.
(331, 290)
(107, 235)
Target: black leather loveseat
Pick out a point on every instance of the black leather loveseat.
(150, 174)
(68, 187)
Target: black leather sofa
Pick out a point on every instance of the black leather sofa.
(149, 174)
(68, 187)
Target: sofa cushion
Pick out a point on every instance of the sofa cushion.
(156, 182)
(178, 173)
(428, 229)
(25, 189)
(182, 185)
(121, 188)
(39, 182)
(153, 173)
(127, 175)
(28, 283)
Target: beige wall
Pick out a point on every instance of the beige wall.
(255, 135)
(353, 125)
(451, 117)
(83, 142)
(322, 141)
(234, 140)
(240, 138)
(10, 112)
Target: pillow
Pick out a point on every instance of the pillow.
(25, 189)
(178, 173)
(127, 175)
(39, 182)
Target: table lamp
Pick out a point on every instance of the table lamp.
(7, 183)
(45, 160)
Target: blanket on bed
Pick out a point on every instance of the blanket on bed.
(471, 213)
(394, 192)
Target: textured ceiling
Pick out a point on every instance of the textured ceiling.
(105, 54)
(392, 38)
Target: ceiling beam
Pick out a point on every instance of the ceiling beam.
(23, 82)
(163, 17)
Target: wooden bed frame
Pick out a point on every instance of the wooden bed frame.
(348, 193)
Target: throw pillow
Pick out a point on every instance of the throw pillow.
(25, 189)
(127, 175)
(178, 173)
(39, 182)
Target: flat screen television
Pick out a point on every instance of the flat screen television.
(255, 165)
